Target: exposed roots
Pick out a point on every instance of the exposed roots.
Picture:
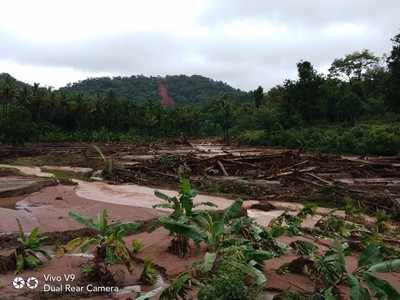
(180, 246)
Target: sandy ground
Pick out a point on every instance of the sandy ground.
(48, 209)
(68, 268)
(33, 171)
(135, 195)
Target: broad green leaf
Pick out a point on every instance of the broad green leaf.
(328, 294)
(381, 288)
(233, 211)
(126, 228)
(189, 231)
(203, 219)
(386, 266)
(303, 247)
(84, 221)
(185, 187)
(357, 292)
(33, 235)
(259, 255)
(32, 261)
(277, 231)
(371, 255)
(339, 249)
(177, 289)
(87, 244)
(187, 204)
(208, 262)
(250, 270)
(218, 227)
(111, 257)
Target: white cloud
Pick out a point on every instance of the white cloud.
(74, 20)
(47, 76)
(245, 43)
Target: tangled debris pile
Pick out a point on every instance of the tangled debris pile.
(256, 172)
(281, 175)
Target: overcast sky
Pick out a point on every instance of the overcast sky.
(245, 43)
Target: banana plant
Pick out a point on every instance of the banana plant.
(179, 288)
(286, 224)
(149, 274)
(370, 264)
(26, 254)
(351, 211)
(213, 225)
(110, 247)
(209, 276)
(180, 223)
(247, 230)
(182, 205)
(381, 221)
(204, 226)
(329, 271)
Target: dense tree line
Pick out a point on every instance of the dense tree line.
(354, 108)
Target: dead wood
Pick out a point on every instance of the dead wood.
(222, 168)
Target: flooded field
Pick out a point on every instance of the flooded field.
(40, 185)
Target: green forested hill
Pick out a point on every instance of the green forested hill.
(182, 88)
(7, 78)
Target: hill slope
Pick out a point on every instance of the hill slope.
(6, 78)
(182, 88)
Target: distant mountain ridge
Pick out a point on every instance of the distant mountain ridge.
(181, 88)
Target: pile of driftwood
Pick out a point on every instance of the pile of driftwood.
(286, 175)
(251, 172)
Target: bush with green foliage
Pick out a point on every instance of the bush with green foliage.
(30, 246)
(149, 274)
(180, 223)
(232, 267)
(329, 270)
(110, 248)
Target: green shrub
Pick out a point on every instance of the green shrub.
(253, 137)
(229, 286)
